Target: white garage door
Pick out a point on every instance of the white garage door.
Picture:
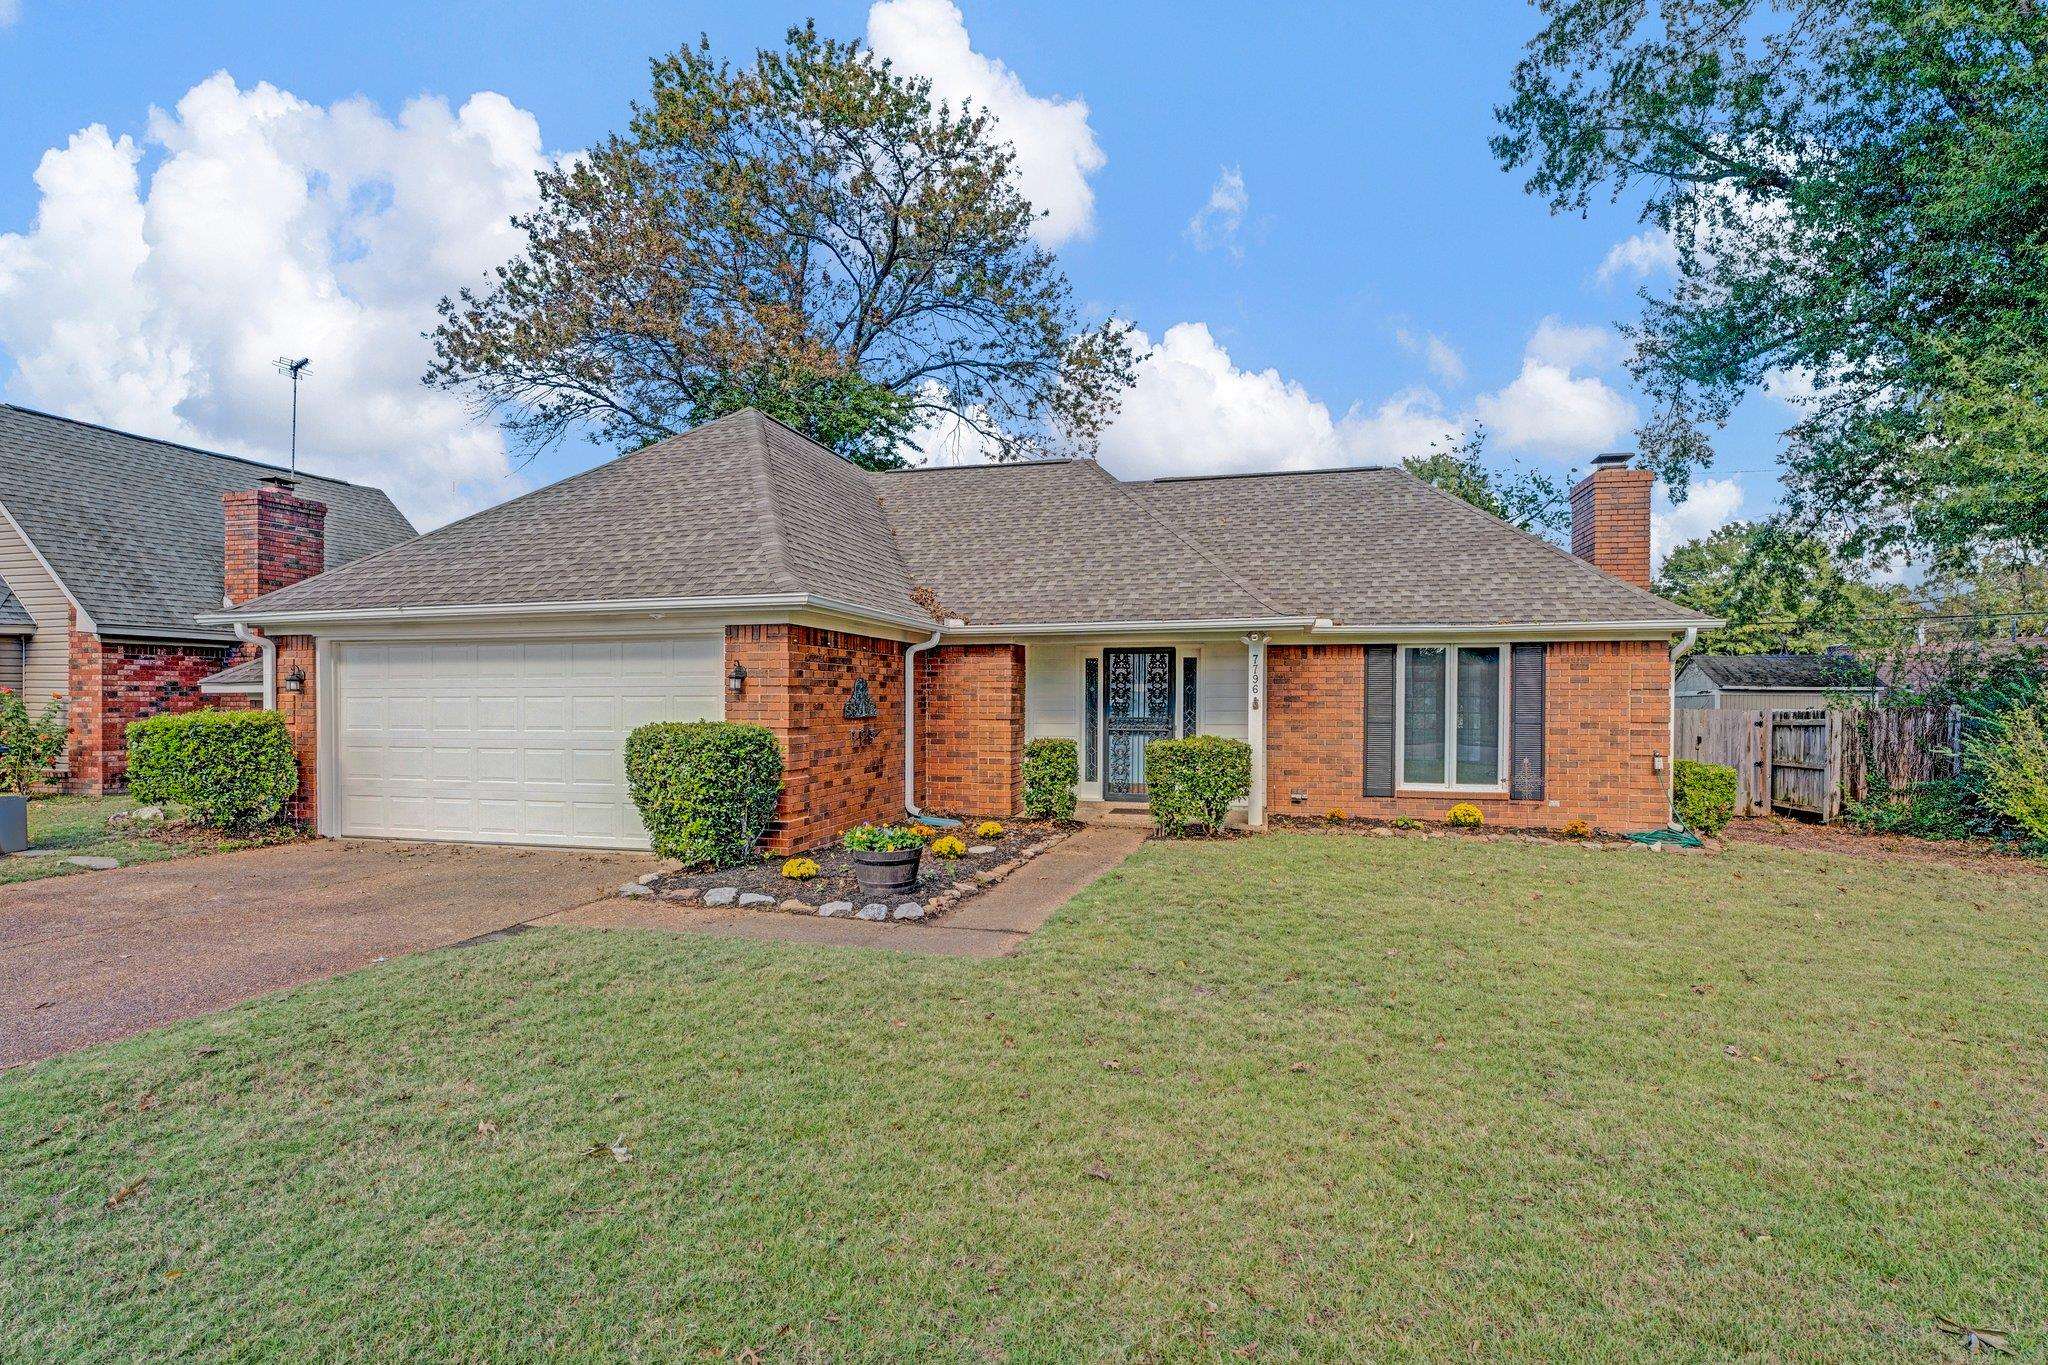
(519, 742)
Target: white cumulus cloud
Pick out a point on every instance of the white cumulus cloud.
(161, 278)
(1056, 149)
(1442, 358)
(1194, 410)
(1552, 409)
(1649, 252)
(1216, 223)
(1712, 504)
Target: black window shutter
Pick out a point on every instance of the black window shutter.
(1091, 708)
(1379, 719)
(1525, 741)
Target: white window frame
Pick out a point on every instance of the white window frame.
(1450, 648)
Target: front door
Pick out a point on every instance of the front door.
(1137, 708)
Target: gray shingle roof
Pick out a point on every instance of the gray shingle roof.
(1783, 672)
(14, 617)
(1379, 547)
(737, 507)
(248, 673)
(133, 526)
(1057, 541)
(743, 506)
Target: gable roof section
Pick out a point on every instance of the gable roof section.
(14, 617)
(738, 507)
(745, 508)
(1782, 672)
(1057, 541)
(133, 527)
(1379, 547)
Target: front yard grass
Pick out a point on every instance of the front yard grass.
(78, 826)
(1295, 1097)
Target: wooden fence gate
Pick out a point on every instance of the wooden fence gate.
(1810, 762)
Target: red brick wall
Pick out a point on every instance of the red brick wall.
(836, 772)
(301, 712)
(1611, 521)
(274, 539)
(970, 729)
(1607, 713)
(115, 682)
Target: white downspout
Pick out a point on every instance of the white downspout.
(910, 735)
(268, 649)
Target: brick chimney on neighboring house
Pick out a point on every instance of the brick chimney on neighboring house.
(274, 538)
(1611, 518)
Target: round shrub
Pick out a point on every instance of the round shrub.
(1191, 782)
(705, 789)
(1052, 767)
(230, 769)
(800, 869)
(1702, 795)
(988, 829)
(949, 847)
(1465, 815)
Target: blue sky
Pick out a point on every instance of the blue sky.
(313, 178)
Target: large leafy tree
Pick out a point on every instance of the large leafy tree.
(1781, 590)
(811, 234)
(1529, 498)
(1857, 191)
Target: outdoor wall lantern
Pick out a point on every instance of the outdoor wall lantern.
(295, 681)
(736, 681)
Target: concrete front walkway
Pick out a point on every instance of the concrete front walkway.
(102, 955)
(992, 924)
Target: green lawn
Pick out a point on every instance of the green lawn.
(1426, 1099)
(78, 825)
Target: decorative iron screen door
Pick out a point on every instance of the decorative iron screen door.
(1137, 708)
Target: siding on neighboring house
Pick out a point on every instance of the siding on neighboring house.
(48, 668)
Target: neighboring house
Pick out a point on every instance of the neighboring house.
(112, 545)
(1768, 682)
(1384, 648)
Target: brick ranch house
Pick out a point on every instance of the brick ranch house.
(1384, 648)
(112, 545)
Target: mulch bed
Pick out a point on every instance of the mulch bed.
(1486, 834)
(835, 880)
(1776, 832)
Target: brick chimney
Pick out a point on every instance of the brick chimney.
(274, 538)
(1611, 518)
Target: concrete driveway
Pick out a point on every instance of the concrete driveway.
(101, 955)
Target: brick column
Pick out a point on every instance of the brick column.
(970, 729)
(301, 712)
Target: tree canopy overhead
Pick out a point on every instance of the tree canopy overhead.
(1781, 590)
(1857, 192)
(1536, 502)
(813, 235)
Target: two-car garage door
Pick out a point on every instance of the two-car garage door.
(517, 742)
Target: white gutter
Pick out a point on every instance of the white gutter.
(1681, 647)
(792, 601)
(1135, 627)
(268, 649)
(910, 734)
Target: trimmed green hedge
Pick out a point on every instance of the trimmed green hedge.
(1191, 782)
(1702, 795)
(1052, 767)
(706, 789)
(230, 769)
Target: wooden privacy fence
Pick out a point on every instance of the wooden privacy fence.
(1811, 762)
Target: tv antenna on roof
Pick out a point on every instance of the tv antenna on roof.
(293, 369)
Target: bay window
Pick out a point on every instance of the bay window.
(1453, 721)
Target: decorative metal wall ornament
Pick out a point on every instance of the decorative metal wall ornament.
(860, 706)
